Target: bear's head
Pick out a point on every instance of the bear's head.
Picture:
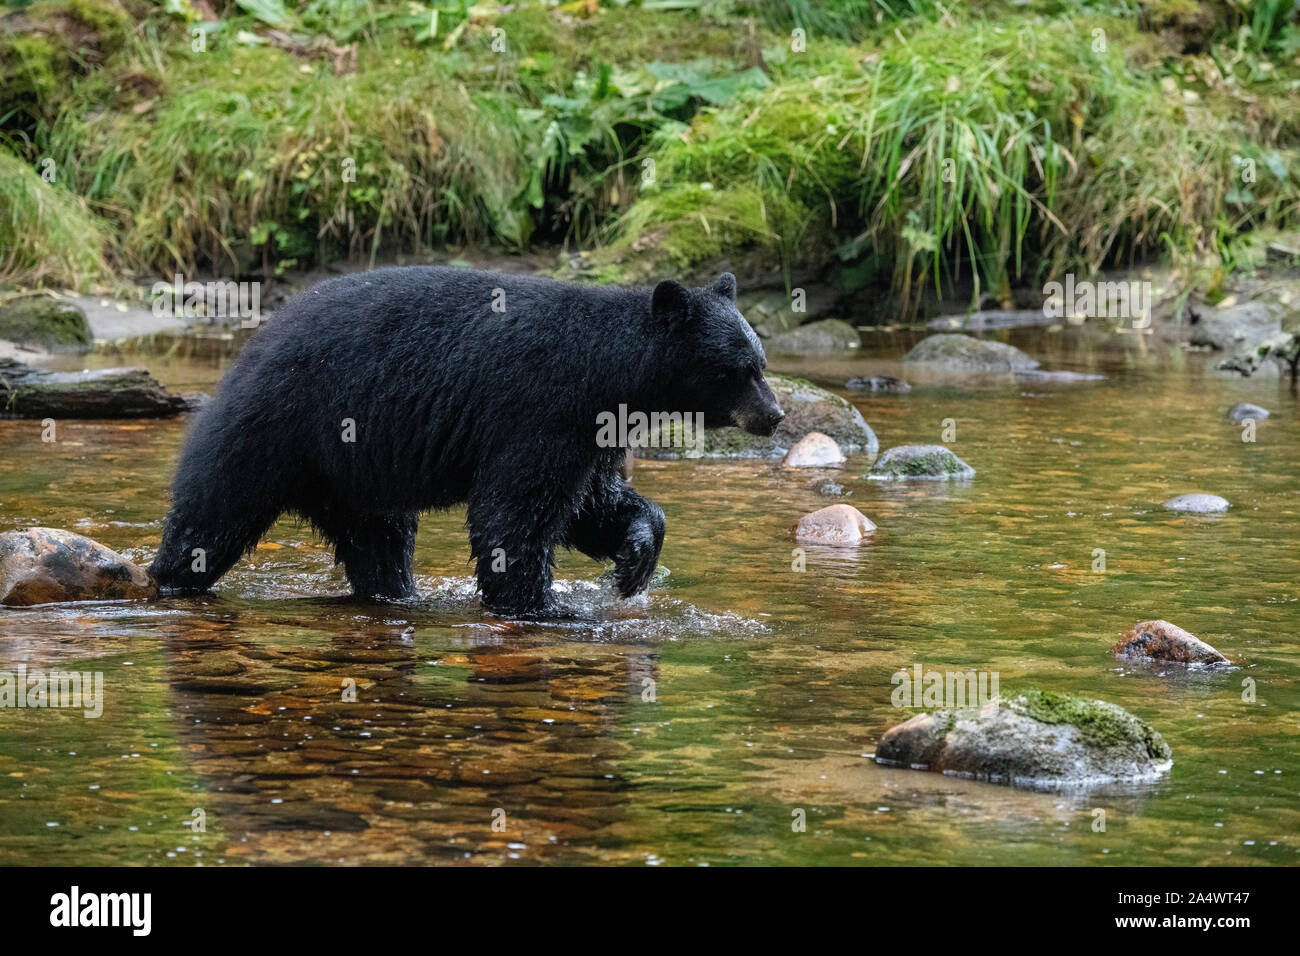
(721, 360)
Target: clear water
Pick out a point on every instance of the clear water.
(690, 727)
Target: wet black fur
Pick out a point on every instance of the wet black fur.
(455, 402)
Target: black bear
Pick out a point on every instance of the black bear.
(373, 397)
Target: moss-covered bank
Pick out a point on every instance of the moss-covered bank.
(911, 143)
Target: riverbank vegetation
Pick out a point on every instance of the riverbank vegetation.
(901, 144)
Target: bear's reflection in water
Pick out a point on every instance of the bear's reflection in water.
(388, 734)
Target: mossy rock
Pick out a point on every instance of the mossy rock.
(825, 335)
(807, 407)
(1099, 723)
(965, 354)
(45, 323)
(919, 461)
(1035, 738)
(770, 311)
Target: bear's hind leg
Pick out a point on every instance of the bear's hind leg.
(376, 551)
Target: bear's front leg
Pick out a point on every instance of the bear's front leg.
(516, 517)
(616, 522)
(636, 560)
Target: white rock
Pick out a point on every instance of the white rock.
(814, 450)
(1197, 504)
(834, 524)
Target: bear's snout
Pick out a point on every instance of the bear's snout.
(765, 425)
(760, 414)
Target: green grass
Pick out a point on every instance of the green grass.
(919, 145)
(263, 161)
(235, 158)
(47, 236)
(1002, 149)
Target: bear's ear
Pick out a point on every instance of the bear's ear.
(725, 285)
(671, 304)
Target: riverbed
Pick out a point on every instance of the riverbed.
(277, 721)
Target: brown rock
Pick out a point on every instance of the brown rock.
(47, 566)
(1162, 641)
(834, 524)
(814, 450)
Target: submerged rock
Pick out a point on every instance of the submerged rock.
(1243, 410)
(878, 383)
(1162, 641)
(1277, 352)
(992, 319)
(1039, 739)
(826, 335)
(829, 488)
(919, 461)
(48, 565)
(1038, 375)
(834, 524)
(807, 409)
(1197, 504)
(964, 354)
(814, 450)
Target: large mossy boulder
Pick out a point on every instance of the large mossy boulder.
(966, 355)
(807, 407)
(1036, 739)
(44, 322)
(51, 566)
